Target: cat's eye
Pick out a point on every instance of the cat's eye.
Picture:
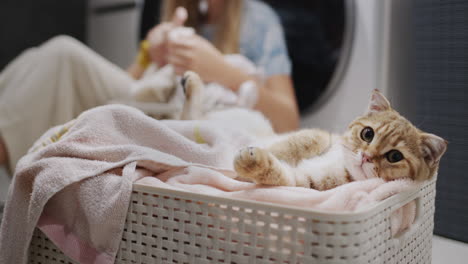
(367, 134)
(394, 156)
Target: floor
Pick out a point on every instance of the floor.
(447, 251)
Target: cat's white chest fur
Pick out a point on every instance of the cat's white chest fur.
(330, 164)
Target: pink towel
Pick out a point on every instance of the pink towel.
(77, 189)
(84, 214)
(351, 197)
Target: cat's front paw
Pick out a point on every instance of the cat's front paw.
(193, 90)
(250, 159)
(192, 84)
(256, 164)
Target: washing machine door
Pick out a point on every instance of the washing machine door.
(315, 32)
(358, 69)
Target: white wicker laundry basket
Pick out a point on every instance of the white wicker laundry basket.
(165, 226)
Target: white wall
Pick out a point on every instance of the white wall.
(114, 35)
(399, 64)
(363, 73)
(4, 184)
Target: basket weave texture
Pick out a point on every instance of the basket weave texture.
(166, 226)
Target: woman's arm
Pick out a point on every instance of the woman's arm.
(276, 97)
(135, 70)
(277, 101)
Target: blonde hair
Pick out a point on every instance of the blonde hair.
(226, 38)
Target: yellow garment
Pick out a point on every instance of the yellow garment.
(55, 136)
(143, 57)
(198, 137)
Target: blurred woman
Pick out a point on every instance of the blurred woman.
(55, 82)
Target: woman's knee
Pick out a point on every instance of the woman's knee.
(63, 47)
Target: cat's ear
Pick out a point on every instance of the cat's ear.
(433, 147)
(378, 102)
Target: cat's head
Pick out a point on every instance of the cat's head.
(382, 143)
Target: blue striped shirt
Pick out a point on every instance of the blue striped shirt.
(261, 39)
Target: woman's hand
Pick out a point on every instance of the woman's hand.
(196, 54)
(158, 36)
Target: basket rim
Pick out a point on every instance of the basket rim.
(393, 202)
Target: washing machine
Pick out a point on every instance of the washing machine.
(361, 67)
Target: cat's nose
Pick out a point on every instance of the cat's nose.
(366, 158)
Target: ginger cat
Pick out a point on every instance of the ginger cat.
(381, 143)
